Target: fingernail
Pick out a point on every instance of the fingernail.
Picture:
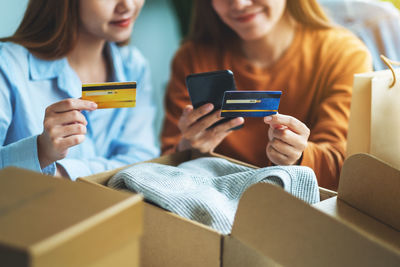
(208, 107)
(186, 111)
(268, 118)
(93, 105)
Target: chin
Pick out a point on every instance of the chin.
(119, 39)
(118, 36)
(122, 41)
(252, 35)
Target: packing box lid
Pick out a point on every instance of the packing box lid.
(39, 213)
(290, 232)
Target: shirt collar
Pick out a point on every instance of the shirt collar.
(67, 79)
(41, 69)
(116, 62)
(59, 69)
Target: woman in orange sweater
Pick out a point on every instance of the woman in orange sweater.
(270, 45)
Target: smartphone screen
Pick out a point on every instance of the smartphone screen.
(209, 87)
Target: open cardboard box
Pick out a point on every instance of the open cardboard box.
(358, 227)
(170, 240)
(45, 221)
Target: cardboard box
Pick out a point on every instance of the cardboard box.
(359, 227)
(45, 221)
(170, 240)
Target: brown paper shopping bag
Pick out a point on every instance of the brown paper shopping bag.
(374, 125)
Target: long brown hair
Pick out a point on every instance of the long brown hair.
(207, 27)
(49, 28)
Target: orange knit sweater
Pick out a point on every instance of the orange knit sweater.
(315, 76)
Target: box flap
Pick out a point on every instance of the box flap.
(371, 186)
(291, 232)
(360, 221)
(34, 207)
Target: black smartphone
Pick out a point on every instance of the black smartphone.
(209, 87)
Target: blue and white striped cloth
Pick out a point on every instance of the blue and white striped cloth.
(208, 190)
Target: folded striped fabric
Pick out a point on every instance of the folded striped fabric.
(208, 190)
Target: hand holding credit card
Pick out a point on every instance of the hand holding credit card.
(111, 95)
(250, 103)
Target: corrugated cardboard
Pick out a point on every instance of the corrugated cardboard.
(45, 221)
(359, 227)
(170, 240)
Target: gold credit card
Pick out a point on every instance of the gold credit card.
(110, 95)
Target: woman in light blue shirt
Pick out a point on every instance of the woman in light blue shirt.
(44, 126)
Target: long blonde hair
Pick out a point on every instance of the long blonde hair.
(207, 27)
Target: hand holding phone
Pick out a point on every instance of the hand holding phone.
(200, 124)
(196, 132)
(209, 87)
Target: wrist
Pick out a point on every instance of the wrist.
(44, 161)
(61, 172)
(298, 162)
(183, 145)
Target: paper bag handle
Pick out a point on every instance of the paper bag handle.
(389, 63)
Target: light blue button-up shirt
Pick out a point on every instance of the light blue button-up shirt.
(115, 137)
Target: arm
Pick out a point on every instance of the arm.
(23, 153)
(136, 140)
(176, 99)
(183, 128)
(325, 151)
(321, 143)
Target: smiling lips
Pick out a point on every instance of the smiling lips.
(247, 17)
(121, 23)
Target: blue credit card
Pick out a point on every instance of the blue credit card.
(250, 103)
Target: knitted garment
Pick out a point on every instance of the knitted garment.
(208, 190)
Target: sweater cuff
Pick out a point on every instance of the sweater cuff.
(308, 158)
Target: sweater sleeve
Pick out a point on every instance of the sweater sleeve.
(326, 148)
(177, 97)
